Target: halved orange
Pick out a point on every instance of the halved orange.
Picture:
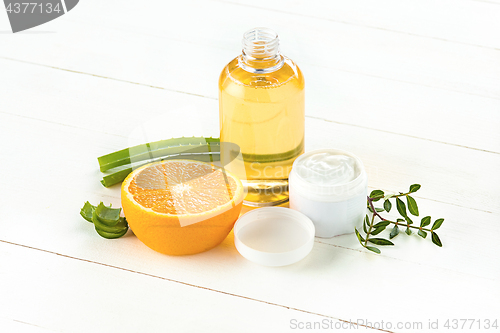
(181, 207)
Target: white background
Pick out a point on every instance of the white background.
(410, 86)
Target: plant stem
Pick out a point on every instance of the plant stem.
(401, 195)
(375, 213)
(408, 225)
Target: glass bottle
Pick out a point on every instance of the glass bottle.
(261, 110)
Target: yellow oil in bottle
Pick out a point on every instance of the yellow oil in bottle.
(261, 103)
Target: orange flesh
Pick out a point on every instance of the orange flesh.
(182, 188)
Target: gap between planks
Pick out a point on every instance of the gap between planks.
(190, 285)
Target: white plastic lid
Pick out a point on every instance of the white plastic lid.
(274, 236)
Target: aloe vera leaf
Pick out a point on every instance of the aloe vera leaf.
(109, 216)
(117, 177)
(120, 175)
(119, 227)
(110, 235)
(157, 149)
(87, 211)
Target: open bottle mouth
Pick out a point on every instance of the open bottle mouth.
(261, 43)
(261, 51)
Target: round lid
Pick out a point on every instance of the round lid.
(274, 236)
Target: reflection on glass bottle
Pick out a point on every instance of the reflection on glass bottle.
(261, 109)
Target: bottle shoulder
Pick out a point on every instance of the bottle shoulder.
(233, 73)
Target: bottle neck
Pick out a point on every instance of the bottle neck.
(261, 51)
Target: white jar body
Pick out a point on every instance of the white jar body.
(330, 218)
(335, 210)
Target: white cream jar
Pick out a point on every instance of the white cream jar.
(330, 187)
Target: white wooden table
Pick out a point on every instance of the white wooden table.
(410, 86)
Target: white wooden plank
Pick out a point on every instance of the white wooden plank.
(464, 21)
(404, 108)
(354, 71)
(47, 292)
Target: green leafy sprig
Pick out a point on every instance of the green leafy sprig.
(371, 228)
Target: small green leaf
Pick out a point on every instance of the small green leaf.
(376, 195)
(422, 233)
(86, 211)
(412, 205)
(400, 205)
(408, 220)
(366, 224)
(370, 209)
(408, 231)
(414, 188)
(374, 249)
(379, 209)
(437, 224)
(387, 206)
(394, 232)
(400, 220)
(380, 241)
(361, 239)
(382, 224)
(436, 240)
(425, 221)
(377, 231)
